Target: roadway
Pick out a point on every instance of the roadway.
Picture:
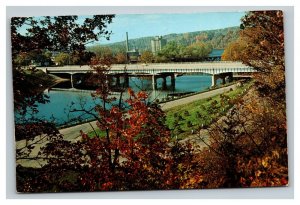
(213, 67)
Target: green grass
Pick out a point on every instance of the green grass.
(182, 120)
(100, 133)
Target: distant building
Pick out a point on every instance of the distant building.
(215, 55)
(157, 44)
(133, 55)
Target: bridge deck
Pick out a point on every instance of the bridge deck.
(159, 68)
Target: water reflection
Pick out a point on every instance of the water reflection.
(63, 99)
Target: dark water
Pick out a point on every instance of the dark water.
(61, 102)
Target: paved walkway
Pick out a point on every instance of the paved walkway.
(186, 100)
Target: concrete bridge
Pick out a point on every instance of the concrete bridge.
(217, 69)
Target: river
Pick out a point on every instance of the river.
(61, 102)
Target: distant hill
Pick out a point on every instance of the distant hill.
(218, 39)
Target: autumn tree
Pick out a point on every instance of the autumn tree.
(58, 33)
(234, 50)
(248, 146)
(134, 153)
(121, 58)
(147, 57)
(264, 37)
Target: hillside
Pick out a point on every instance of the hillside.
(218, 38)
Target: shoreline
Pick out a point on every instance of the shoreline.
(70, 132)
(160, 103)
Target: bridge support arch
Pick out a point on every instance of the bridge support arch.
(164, 85)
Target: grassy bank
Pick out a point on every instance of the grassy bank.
(182, 120)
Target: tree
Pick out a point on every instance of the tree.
(171, 51)
(197, 50)
(234, 51)
(264, 37)
(147, 57)
(248, 147)
(82, 58)
(134, 153)
(201, 37)
(33, 36)
(62, 59)
(58, 33)
(41, 58)
(121, 58)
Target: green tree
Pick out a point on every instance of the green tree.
(62, 59)
(197, 50)
(171, 51)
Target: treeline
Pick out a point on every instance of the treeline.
(173, 51)
(218, 38)
(192, 46)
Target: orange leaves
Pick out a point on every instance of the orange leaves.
(192, 182)
(131, 92)
(140, 96)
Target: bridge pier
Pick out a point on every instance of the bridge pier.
(72, 84)
(214, 80)
(126, 80)
(154, 82)
(173, 81)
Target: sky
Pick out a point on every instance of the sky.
(142, 25)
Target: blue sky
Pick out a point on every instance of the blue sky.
(141, 25)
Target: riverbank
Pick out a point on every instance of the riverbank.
(73, 133)
(185, 119)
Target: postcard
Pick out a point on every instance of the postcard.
(149, 101)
